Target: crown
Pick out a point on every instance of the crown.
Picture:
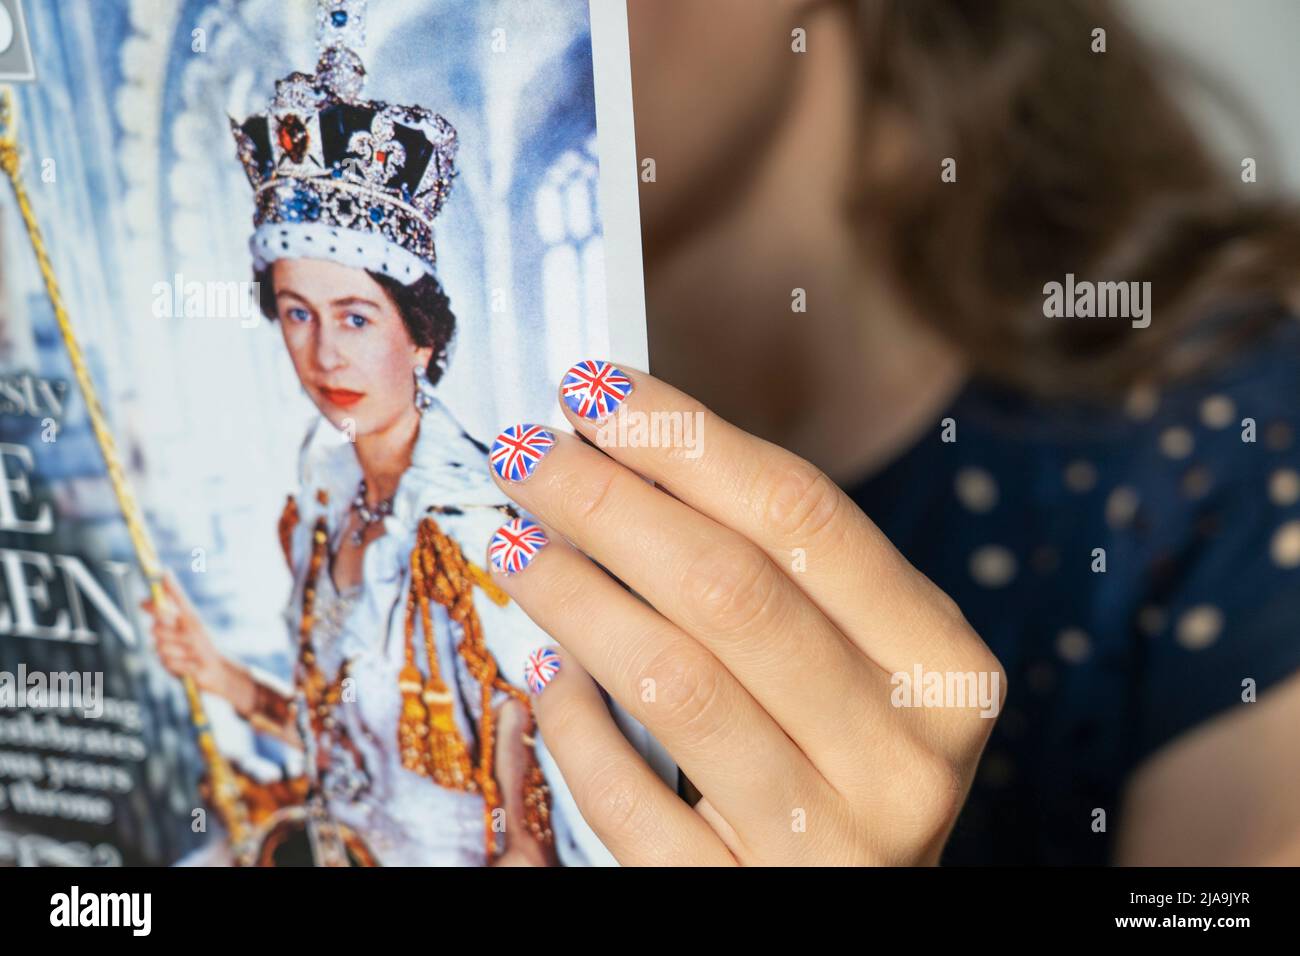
(339, 177)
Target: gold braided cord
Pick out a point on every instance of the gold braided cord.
(224, 787)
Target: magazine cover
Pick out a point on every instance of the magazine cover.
(272, 275)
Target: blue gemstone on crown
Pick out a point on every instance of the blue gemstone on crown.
(376, 213)
(339, 18)
(302, 206)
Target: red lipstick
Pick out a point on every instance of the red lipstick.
(342, 397)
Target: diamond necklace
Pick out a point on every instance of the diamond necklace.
(368, 516)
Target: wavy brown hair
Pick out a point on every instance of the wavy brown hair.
(1068, 161)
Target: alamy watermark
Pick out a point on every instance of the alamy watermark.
(1085, 300)
(627, 429)
(131, 911)
(959, 689)
(57, 690)
(180, 299)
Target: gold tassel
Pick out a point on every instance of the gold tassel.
(427, 733)
(447, 759)
(484, 581)
(537, 806)
(455, 590)
(288, 522)
(413, 724)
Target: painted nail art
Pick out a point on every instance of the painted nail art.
(595, 389)
(543, 664)
(515, 544)
(518, 449)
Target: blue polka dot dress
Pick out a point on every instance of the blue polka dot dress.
(1135, 567)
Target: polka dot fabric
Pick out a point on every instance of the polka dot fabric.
(1199, 531)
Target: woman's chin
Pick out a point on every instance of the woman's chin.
(355, 424)
(345, 421)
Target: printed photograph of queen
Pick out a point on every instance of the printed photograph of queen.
(312, 469)
(418, 748)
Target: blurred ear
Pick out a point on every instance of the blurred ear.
(423, 355)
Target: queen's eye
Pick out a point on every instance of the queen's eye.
(298, 315)
(357, 321)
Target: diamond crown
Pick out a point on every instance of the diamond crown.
(321, 153)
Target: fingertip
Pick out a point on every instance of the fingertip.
(513, 546)
(592, 390)
(569, 681)
(517, 451)
(542, 667)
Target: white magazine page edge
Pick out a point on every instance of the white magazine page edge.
(624, 279)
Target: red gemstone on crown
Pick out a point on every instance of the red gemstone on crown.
(293, 137)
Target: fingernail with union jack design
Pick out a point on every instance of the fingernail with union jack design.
(518, 450)
(542, 666)
(595, 389)
(515, 544)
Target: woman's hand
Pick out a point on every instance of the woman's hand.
(513, 759)
(775, 614)
(183, 643)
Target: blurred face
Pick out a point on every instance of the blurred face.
(710, 79)
(348, 343)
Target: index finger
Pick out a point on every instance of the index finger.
(805, 523)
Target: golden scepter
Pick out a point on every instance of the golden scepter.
(225, 793)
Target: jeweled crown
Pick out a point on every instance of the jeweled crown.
(344, 178)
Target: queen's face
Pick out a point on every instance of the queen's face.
(349, 345)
